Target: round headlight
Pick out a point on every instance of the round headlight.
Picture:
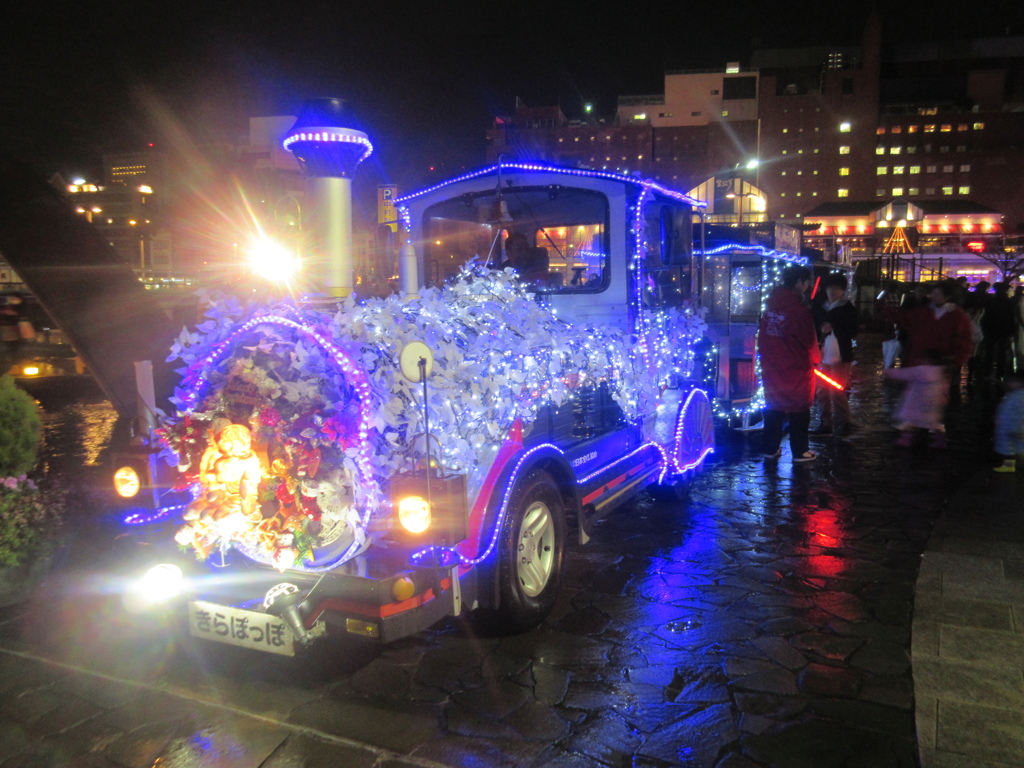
(414, 514)
(161, 582)
(126, 482)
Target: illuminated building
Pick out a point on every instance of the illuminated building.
(129, 218)
(909, 241)
(868, 123)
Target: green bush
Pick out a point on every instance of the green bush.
(30, 519)
(20, 430)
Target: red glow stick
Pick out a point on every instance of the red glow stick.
(825, 378)
(814, 290)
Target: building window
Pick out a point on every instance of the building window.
(714, 91)
(879, 150)
(879, 193)
(695, 114)
(947, 169)
(844, 127)
(929, 129)
(979, 126)
(664, 114)
(843, 193)
(911, 129)
(946, 128)
(943, 149)
(947, 190)
(897, 169)
(914, 191)
(961, 147)
(929, 190)
(911, 150)
(965, 169)
(915, 169)
(962, 127)
(897, 191)
(844, 150)
(894, 150)
(783, 173)
(844, 171)
(931, 169)
(896, 129)
(782, 194)
(964, 190)
(881, 170)
(725, 113)
(880, 130)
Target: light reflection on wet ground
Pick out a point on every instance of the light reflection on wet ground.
(763, 622)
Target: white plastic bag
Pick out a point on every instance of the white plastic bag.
(890, 351)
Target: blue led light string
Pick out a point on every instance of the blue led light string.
(538, 168)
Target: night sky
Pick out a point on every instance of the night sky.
(426, 79)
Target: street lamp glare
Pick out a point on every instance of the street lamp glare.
(272, 261)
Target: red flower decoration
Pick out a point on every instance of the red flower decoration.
(270, 417)
(283, 495)
(311, 508)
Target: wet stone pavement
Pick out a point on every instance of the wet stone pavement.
(763, 622)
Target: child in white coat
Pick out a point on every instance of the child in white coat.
(923, 401)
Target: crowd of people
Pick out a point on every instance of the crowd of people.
(941, 330)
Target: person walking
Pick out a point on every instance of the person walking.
(939, 330)
(836, 321)
(788, 351)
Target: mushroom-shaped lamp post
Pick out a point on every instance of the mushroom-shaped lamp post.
(328, 148)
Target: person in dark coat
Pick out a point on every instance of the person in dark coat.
(836, 321)
(998, 325)
(788, 350)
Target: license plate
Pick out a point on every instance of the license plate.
(237, 626)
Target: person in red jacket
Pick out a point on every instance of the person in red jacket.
(788, 348)
(941, 327)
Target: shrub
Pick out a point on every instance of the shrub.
(30, 518)
(20, 430)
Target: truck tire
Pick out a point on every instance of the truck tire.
(531, 554)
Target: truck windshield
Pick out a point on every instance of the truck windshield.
(554, 237)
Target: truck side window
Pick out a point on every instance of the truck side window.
(745, 292)
(666, 257)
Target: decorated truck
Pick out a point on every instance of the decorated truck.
(377, 465)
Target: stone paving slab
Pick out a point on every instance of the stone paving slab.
(968, 643)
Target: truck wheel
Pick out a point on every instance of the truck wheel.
(532, 554)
